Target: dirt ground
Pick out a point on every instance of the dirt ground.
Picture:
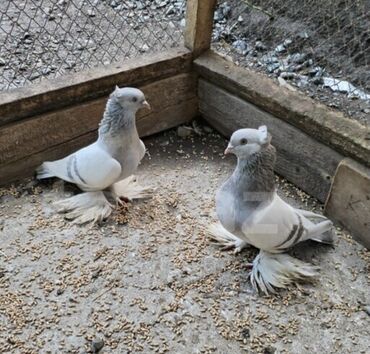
(148, 281)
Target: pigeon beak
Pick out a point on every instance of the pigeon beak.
(229, 149)
(146, 105)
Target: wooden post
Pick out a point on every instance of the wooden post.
(199, 25)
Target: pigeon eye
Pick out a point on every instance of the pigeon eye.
(134, 99)
(243, 141)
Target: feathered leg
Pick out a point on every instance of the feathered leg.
(225, 238)
(85, 207)
(271, 271)
(128, 189)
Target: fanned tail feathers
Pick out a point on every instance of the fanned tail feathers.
(85, 207)
(271, 271)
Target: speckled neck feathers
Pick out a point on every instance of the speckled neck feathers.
(115, 118)
(255, 174)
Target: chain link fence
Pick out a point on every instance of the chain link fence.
(48, 38)
(320, 47)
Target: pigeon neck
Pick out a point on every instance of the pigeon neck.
(256, 173)
(116, 119)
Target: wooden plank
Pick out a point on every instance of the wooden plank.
(90, 84)
(199, 25)
(42, 132)
(301, 159)
(330, 127)
(165, 118)
(349, 200)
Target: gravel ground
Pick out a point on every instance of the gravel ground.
(149, 281)
(319, 48)
(49, 38)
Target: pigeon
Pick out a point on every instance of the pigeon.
(250, 212)
(104, 170)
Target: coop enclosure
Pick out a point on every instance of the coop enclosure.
(303, 71)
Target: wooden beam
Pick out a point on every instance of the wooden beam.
(332, 128)
(25, 144)
(77, 88)
(199, 25)
(300, 159)
(349, 200)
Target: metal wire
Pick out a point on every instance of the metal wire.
(319, 47)
(47, 38)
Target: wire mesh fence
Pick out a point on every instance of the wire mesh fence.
(48, 38)
(321, 47)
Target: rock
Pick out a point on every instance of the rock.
(269, 350)
(184, 132)
(260, 46)
(297, 58)
(288, 75)
(280, 48)
(60, 291)
(91, 13)
(97, 344)
(269, 59)
(317, 80)
(144, 48)
(287, 42)
(209, 130)
(367, 309)
(241, 46)
(272, 67)
(2, 62)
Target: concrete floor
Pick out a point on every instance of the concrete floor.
(148, 280)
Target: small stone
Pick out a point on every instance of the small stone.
(280, 48)
(287, 42)
(269, 350)
(97, 345)
(184, 132)
(241, 46)
(91, 13)
(60, 291)
(209, 130)
(297, 58)
(260, 46)
(367, 309)
(288, 75)
(2, 62)
(272, 67)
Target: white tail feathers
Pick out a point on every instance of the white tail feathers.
(43, 171)
(85, 207)
(271, 271)
(130, 189)
(225, 238)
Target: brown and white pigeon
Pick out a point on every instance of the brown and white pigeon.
(106, 167)
(251, 212)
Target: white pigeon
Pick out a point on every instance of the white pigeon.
(106, 167)
(251, 212)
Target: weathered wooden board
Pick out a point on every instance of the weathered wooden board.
(301, 159)
(332, 128)
(349, 199)
(23, 145)
(90, 84)
(199, 25)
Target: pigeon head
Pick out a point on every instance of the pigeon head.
(246, 142)
(130, 98)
